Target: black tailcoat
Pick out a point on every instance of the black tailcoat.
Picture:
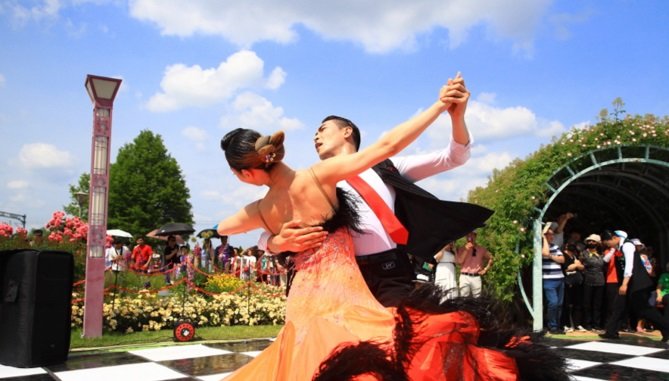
(432, 223)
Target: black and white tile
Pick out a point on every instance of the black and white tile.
(625, 359)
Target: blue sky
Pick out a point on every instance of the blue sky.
(193, 70)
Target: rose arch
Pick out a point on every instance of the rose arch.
(612, 175)
(623, 187)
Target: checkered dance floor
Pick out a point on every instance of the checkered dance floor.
(631, 358)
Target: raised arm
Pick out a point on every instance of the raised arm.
(340, 167)
(418, 167)
(244, 220)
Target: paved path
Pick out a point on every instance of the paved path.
(630, 358)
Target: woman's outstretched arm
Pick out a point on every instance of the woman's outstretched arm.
(340, 167)
(244, 220)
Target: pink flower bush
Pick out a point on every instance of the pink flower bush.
(56, 221)
(6, 231)
(66, 229)
(55, 237)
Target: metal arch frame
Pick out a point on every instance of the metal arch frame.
(644, 179)
(646, 208)
(663, 191)
(536, 307)
(584, 194)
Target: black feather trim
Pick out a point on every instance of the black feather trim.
(354, 360)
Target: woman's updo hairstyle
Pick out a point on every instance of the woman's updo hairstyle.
(247, 149)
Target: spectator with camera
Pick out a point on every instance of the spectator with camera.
(444, 275)
(559, 230)
(475, 261)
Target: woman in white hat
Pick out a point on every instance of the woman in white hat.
(593, 282)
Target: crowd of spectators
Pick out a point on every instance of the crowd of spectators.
(606, 282)
(174, 260)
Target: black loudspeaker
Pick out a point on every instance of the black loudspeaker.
(35, 307)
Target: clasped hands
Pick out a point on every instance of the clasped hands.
(454, 95)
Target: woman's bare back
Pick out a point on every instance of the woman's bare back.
(302, 198)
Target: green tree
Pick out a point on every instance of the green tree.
(146, 187)
(78, 205)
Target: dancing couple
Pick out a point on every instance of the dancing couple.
(336, 329)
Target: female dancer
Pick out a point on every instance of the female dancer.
(330, 312)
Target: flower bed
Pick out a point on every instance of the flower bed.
(149, 311)
(205, 299)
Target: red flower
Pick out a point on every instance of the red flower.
(6, 230)
(55, 237)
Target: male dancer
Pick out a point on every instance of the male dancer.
(380, 251)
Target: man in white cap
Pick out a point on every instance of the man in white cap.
(621, 260)
(635, 287)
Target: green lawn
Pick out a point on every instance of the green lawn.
(165, 337)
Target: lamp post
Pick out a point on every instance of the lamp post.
(102, 91)
(81, 197)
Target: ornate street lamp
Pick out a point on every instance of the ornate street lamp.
(81, 197)
(102, 91)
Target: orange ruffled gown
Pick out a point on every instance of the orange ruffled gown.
(329, 306)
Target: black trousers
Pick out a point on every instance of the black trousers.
(593, 296)
(389, 276)
(611, 290)
(572, 306)
(617, 309)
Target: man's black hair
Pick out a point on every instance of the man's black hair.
(343, 122)
(607, 235)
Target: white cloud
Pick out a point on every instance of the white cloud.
(550, 129)
(43, 155)
(17, 184)
(222, 203)
(196, 135)
(456, 184)
(253, 111)
(487, 122)
(184, 86)
(486, 163)
(21, 13)
(562, 22)
(453, 189)
(276, 79)
(582, 125)
(377, 26)
(488, 98)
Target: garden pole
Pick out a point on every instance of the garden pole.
(102, 91)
